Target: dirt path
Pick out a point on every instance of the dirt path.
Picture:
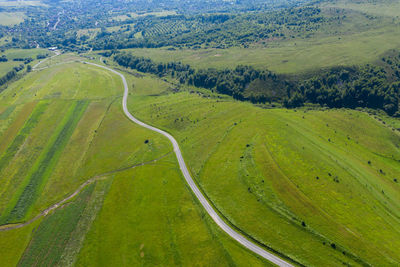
(60, 204)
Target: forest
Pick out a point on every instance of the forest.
(349, 87)
(10, 75)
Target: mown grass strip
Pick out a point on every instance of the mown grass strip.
(23, 134)
(7, 112)
(51, 237)
(46, 162)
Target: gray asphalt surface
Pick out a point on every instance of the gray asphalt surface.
(217, 219)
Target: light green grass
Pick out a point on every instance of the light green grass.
(388, 8)
(50, 238)
(22, 3)
(22, 135)
(44, 165)
(14, 175)
(8, 66)
(11, 18)
(158, 224)
(13, 244)
(18, 53)
(104, 143)
(259, 168)
(295, 56)
(136, 15)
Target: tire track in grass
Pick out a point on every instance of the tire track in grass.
(50, 238)
(23, 134)
(6, 113)
(46, 162)
(65, 201)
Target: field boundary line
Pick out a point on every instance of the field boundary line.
(61, 203)
(199, 195)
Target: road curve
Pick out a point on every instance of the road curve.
(217, 219)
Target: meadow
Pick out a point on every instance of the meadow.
(19, 53)
(67, 128)
(11, 18)
(298, 181)
(289, 57)
(23, 3)
(364, 33)
(316, 186)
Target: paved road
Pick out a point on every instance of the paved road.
(57, 53)
(217, 219)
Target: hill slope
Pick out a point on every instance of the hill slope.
(66, 133)
(319, 186)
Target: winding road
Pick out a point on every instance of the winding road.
(214, 215)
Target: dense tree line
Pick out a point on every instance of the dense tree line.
(242, 83)
(10, 75)
(366, 86)
(351, 87)
(26, 60)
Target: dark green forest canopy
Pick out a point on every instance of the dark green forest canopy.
(367, 86)
(218, 24)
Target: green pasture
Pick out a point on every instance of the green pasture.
(67, 127)
(19, 53)
(296, 181)
(159, 223)
(325, 181)
(291, 56)
(389, 8)
(11, 18)
(23, 3)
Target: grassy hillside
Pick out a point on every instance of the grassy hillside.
(288, 57)
(388, 8)
(11, 18)
(319, 186)
(62, 131)
(354, 32)
(19, 53)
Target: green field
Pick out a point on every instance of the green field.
(367, 31)
(19, 53)
(308, 184)
(11, 18)
(389, 8)
(22, 3)
(82, 185)
(66, 128)
(288, 57)
(298, 181)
